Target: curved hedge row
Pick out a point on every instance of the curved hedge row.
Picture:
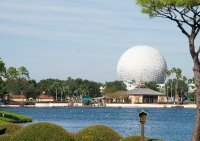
(45, 131)
(138, 138)
(10, 127)
(97, 133)
(42, 131)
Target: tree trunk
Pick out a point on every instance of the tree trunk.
(196, 69)
(56, 94)
(196, 131)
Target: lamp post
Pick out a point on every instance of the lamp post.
(142, 116)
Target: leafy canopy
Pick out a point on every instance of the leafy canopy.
(150, 6)
(181, 11)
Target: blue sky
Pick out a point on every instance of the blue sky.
(84, 38)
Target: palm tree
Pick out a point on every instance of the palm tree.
(166, 74)
(56, 85)
(172, 71)
(184, 78)
(178, 76)
(63, 88)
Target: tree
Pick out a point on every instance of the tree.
(112, 87)
(184, 78)
(2, 68)
(151, 85)
(63, 88)
(23, 73)
(133, 81)
(11, 74)
(178, 76)
(166, 73)
(185, 13)
(56, 86)
(17, 87)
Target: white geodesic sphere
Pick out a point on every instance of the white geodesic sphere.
(141, 63)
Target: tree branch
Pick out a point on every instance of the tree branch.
(198, 50)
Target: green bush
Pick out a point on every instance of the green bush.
(138, 138)
(134, 138)
(10, 127)
(42, 131)
(97, 133)
(6, 116)
(5, 137)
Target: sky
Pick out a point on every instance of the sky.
(84, 38)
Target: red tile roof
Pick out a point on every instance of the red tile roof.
(43, 96)
(17, 96)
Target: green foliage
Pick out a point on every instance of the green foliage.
(97, 133)
(120, 96)
(5, 137)
(138, 138)
(134, 138)
(112, 87)
(154, 7)
(181, 88)
(13, 117)
(42, 131)
(69, 88)
(11, 74)
(151, 85)
(2, 68)
(10, 127)
(17, 87)
(23, 72)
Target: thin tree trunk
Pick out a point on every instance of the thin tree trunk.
(196, 69)
(56, 94)
(196, 131)
(171, 90)
(61, 95)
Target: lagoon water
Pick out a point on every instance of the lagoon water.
(171, 124)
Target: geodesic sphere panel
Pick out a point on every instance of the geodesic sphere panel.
(141, 63)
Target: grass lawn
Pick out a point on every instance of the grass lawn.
(7, 117)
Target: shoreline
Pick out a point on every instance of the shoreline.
(108, 105)
(151, 105)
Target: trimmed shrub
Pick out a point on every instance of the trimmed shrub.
(5, 137)
(138, 138)
(97, 133)
(42, 131)
(10, 127)
(134, 138)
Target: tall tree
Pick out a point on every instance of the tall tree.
(184, 78)
(23, 73)
(2, 69)
(112, 87)
(11, 74)
(166, 73)
(151, 85)
(56, 86)
(186, 14)
(178, 76)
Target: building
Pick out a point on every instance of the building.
(86, 100)
(141, 61)
(15, 97)
(142, 94)
(44, 97)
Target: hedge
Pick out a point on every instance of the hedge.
(97, 133)
(42, 131)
